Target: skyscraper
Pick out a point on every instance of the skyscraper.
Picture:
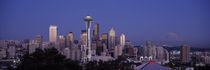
(53, 33)
(96, 32)
(70, 39)
(159, 53)
(117, 40)
(122, 40)
(83, 37)
(88, 20)
(117, 51)
(112, 42)
(105, 39)
(61, 43)
(39, 39)
(99, 48)
(111, 39)
(185, 53)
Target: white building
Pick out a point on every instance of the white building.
(83, 53)
(118, 51)
(111, 39)
(122, 40)
(53, 33)
(83, 38)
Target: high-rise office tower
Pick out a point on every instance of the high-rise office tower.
(122, 40)
(70, 39)
(117, 40)
(39, 39)
(118, 51)
(53, 33)
(26, 44)
(61, 43)
(166, 55)
(185, 53)
(99, 48)
(83, 37)
(105, 39)
(88, 20)
(160, 53)
(112, 42)
(96, 32)
(93, 48)
(78, 54)
(111, 39)
(130, 51)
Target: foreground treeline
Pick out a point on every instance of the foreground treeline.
(51, 59)
(48, 59)
(119, 64)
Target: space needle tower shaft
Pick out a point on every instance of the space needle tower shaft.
(88, 20)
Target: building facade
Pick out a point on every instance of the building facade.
(53, 33)
(185, 53)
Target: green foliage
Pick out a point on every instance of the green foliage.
(48, 59)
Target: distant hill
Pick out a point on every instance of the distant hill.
(192, 49)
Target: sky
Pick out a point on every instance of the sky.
(139, 20)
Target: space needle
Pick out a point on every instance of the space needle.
(88, 20)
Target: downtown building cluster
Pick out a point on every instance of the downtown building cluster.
(107, 46)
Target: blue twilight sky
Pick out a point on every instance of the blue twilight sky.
(140, 20)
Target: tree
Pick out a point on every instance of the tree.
(48, 59)
(118, 64)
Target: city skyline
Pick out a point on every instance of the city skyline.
(187, 21)
(105, 35)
